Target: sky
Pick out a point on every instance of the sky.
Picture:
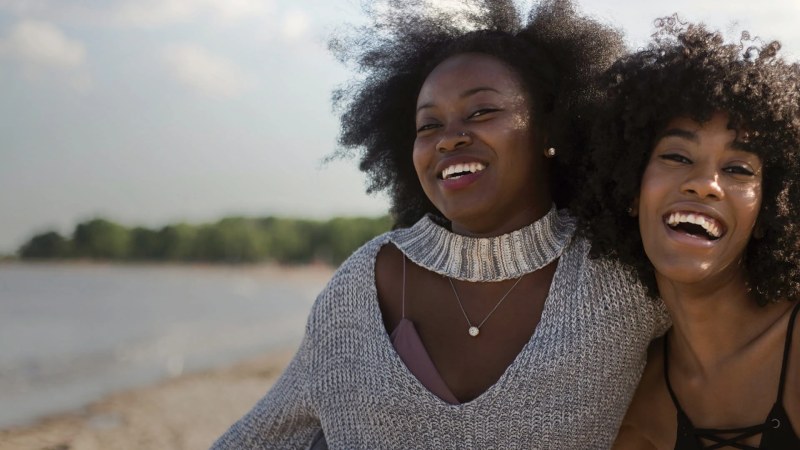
(150, 112)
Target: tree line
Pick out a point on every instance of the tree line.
(230, 240)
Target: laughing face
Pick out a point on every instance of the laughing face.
(699, 201)
(474, 152)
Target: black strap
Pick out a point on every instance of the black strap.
(786, 347)
(712, 434)
(666, 379)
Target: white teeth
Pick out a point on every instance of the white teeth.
(460, 168)
(712, 227)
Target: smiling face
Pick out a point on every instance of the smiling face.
(475, 153)
(698, 203)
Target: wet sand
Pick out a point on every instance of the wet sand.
(187, 412)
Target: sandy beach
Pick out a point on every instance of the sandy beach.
(187, 412)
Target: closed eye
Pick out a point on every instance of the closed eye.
(483, 112)
(675, 157)
(427, 126)
(739, 170)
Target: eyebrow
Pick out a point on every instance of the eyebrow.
(463, 95)
(678, 132)
(692, 136)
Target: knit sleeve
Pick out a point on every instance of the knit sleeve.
(661, 315)
(284, 417)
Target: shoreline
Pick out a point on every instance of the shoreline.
(186, 412)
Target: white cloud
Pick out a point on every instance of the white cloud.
(160, 12)
(295, 24)
(39, 52)
(41, 44)
(138, 12)
(206, 72)
(240, 9)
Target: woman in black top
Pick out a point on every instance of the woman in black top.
(696, 186)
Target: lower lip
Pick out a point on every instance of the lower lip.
(688, 239)
(462, 181)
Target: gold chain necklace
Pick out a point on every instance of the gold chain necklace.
(475, 330)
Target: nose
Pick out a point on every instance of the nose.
(704, 183)
(453, 140)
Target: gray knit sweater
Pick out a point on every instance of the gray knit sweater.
(567, 389)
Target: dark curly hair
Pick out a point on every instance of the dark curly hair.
(690, 71)
(556, 54)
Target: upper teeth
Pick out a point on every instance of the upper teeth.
(711, 226)
(458, 168)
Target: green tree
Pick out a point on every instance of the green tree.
(233, 239)
(290, 240)
(100, 238)
(345, 235)
(46, 245)
(145, 244)
(177, 243)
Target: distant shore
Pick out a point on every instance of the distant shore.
(187, 412)
(268, 265)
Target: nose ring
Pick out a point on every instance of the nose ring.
(462, 134)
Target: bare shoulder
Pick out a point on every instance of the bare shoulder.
(791, 400)
(631, 438)
(388, 262)
(389, 282)
(650, 422)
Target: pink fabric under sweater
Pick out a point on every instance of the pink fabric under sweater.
(409, 346)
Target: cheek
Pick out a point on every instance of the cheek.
(649, 191)
(749, 200)
(420, 158)
(647, 204)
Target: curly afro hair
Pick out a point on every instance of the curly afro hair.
(556, 54)
(690, 71)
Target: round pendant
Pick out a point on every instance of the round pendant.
(474, 331)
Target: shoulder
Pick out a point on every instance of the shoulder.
(650, 421)
(615, 286)
(600, 268)
(605, 277)
(792, 394)
(630, 438)
(351, 284)
(361, 262)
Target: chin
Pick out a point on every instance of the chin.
(684, 271)
(682, 276)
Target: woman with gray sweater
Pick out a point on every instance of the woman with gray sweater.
(479, 322)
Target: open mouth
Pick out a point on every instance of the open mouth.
(695, 224)
(459, 170)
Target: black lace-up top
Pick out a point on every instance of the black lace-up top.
(776, 432)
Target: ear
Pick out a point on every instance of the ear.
(633, 210)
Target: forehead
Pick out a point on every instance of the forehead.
(715, 128)
(468, 70)
(714, 133)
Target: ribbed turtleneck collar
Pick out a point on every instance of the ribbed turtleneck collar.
(504, 257)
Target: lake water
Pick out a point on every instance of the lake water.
(70, 334)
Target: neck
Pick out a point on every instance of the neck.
(711, 324)
(488, 226)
